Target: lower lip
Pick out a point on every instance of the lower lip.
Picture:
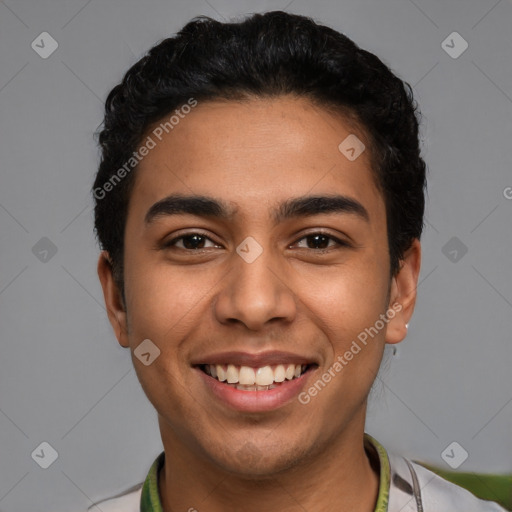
(256, 401)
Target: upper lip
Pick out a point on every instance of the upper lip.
(258, 360)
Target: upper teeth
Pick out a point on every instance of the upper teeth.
(245, 375)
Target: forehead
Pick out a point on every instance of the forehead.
(256, 153)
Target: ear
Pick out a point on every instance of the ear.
(113, 300)
(403, 294)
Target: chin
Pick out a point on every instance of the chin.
(252, 462)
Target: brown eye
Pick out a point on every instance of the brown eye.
(190, 241)
(321, 241)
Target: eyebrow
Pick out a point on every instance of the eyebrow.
(305, 206)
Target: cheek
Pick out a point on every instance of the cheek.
(350, 319)
(348, 312)
(160, 299)
(162, 306)
(348, 299)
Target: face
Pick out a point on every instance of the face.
(256, 251)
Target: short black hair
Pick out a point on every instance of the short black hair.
(265, 55)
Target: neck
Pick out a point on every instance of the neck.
(342, 477)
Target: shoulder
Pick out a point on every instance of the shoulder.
(415, 488)
(128, 501)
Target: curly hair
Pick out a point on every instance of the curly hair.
(265, 55)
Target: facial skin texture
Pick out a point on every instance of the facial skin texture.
(294, 297)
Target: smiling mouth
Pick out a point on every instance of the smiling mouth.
(247, 378)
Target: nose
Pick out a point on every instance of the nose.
(255, 293)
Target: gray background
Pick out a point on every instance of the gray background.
(63, 377)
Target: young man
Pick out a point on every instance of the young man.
(259, 204)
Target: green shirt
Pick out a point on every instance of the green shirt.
(150, 498)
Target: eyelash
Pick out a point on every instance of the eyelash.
(172, 243)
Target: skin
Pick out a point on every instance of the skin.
(294, 297)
